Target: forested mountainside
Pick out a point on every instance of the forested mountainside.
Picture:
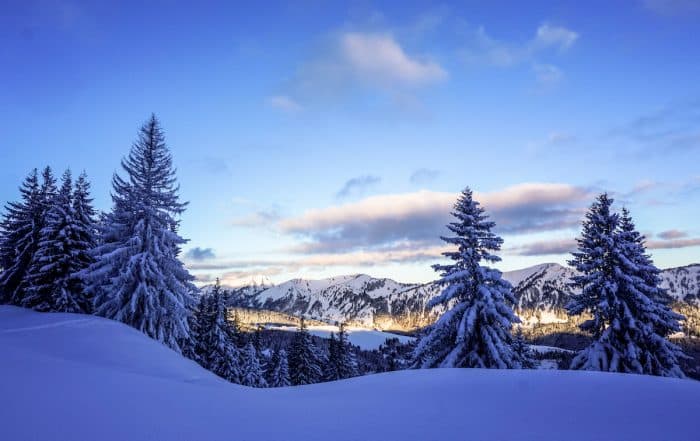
(541, 293)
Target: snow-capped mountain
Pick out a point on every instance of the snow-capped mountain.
(359, 299)
(541, 294)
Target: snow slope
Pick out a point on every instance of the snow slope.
(367, 339)
(73, 377)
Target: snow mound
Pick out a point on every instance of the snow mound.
(73, 377)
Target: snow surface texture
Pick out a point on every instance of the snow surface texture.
(366, 339)
(76, 377)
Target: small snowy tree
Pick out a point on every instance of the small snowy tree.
(215, 349)
(330, 368)
(522, 350)
(251, 371)
(475, 331)
(20, 232)
(278, 370)
(343, 363)
(620, 288)
(304, 360)
(137, 277)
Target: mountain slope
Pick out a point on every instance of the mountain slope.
(73, 377)
(541, 293)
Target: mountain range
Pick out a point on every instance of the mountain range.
(541, 293)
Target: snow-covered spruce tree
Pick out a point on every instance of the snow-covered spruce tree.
(522, 350)
(620, 288)
(86, 237)
(304, 360)
(475, 331)
(20, 232)
(347, 362)
(215, 349)
(19, 236)
(251, 371)
(137, 277)
(330, 367)
(278, 370)
(53, 282)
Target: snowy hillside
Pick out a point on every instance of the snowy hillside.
(541, 293)
(359, 299)
(73, 377)
(683, 283)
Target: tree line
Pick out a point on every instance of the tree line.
(619, 287)
(57, 254)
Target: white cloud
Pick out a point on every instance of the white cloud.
(548, 36)
(379, 58)
(364, 61)
(283, 102)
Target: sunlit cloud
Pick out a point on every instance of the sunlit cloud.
(421, 216)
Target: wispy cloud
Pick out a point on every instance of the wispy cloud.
(423, 176)
(486, 50)
(672, 234)
(260, 218)
(673, 243)
(544, 248)
(672, 7)
(284, 103)
(547, 75)
(560, 138)
(235, 271)
(671, 129)
(380, 59)
(199, 254)
(354, 60)
(358, 185)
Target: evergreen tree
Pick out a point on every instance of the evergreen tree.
(53, 281)
(390, 354)
(19, 237)
(251, 371)
(20, 232)
(476, 329)
(304, 360)
(278, 371)
(330, 368)
(137, 277)
(620, 288)
(86, 237)
(215, 349)
(522, 351)
(346, 360)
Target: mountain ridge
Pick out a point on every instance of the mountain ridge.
(541, 292)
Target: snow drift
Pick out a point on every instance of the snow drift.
(76, 377)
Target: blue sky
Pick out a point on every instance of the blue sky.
(323, 138)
